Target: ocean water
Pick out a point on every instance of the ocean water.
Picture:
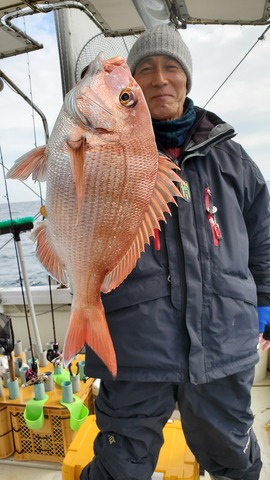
(9, 272)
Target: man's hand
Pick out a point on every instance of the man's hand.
(265, 343)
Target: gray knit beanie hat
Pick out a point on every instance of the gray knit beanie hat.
(161, 40)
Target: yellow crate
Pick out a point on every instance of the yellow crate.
(51, 442)
(6, 437)
(176, 461)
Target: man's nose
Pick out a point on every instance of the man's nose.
(159, 78)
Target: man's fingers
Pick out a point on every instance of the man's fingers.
(265, 343)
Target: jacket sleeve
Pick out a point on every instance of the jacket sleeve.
(264, 321)
(257, 218)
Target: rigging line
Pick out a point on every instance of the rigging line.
(40, 190)
(36, 216)
(5, 183)
(261, 37)
(28, 186)
(52, 310)
(45, 312)
(7, 242)
(17, 258)
(31, 98)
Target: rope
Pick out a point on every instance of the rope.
(245, 56)
(33, 112)
(35, 142)
(41, 201)
(17, 260)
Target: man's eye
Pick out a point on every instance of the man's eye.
(145, 70)
(172, 67)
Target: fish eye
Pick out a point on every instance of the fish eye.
(126, 97)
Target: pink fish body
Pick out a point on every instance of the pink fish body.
(107, 189)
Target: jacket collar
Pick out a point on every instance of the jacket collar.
(207, 130)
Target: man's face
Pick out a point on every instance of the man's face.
(164, 84)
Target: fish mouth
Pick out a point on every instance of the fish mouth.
(97, 65)
(91, 110)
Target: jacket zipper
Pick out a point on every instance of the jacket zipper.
(211, 215)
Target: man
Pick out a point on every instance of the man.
(184, 323)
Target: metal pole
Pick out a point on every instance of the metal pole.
(29, 296)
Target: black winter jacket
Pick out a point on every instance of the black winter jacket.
(188, 311)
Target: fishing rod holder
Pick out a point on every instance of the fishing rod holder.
(11, 226)
(15, 227)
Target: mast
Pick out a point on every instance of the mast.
(73, 29)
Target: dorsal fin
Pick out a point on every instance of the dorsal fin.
(164, 192)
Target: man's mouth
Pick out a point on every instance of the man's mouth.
(161, 95)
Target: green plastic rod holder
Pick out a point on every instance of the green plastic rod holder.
(42, 358)
(49, 385)
(60, 375)
(34, 412)
(81, 369)
(58, 369)
(67, 394)
(39, 389)
(78, 412)
(18, 348)
(76, 383)
(23, 371)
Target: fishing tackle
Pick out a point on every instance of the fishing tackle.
(34, 379)
(54, 355)
(70, 369)
(84, 378)
(57, 361)
(31, 374)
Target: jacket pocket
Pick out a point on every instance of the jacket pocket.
(134, 291)
(235, 287)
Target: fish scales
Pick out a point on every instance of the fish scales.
(101, 220)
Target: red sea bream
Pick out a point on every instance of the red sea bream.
(107, 190)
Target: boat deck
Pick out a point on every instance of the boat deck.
(14, 470)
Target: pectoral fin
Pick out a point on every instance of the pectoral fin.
(77, 149)
(33, 162)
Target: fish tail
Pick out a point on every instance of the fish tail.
(89, 325)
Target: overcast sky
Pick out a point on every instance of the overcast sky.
(244, 100)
